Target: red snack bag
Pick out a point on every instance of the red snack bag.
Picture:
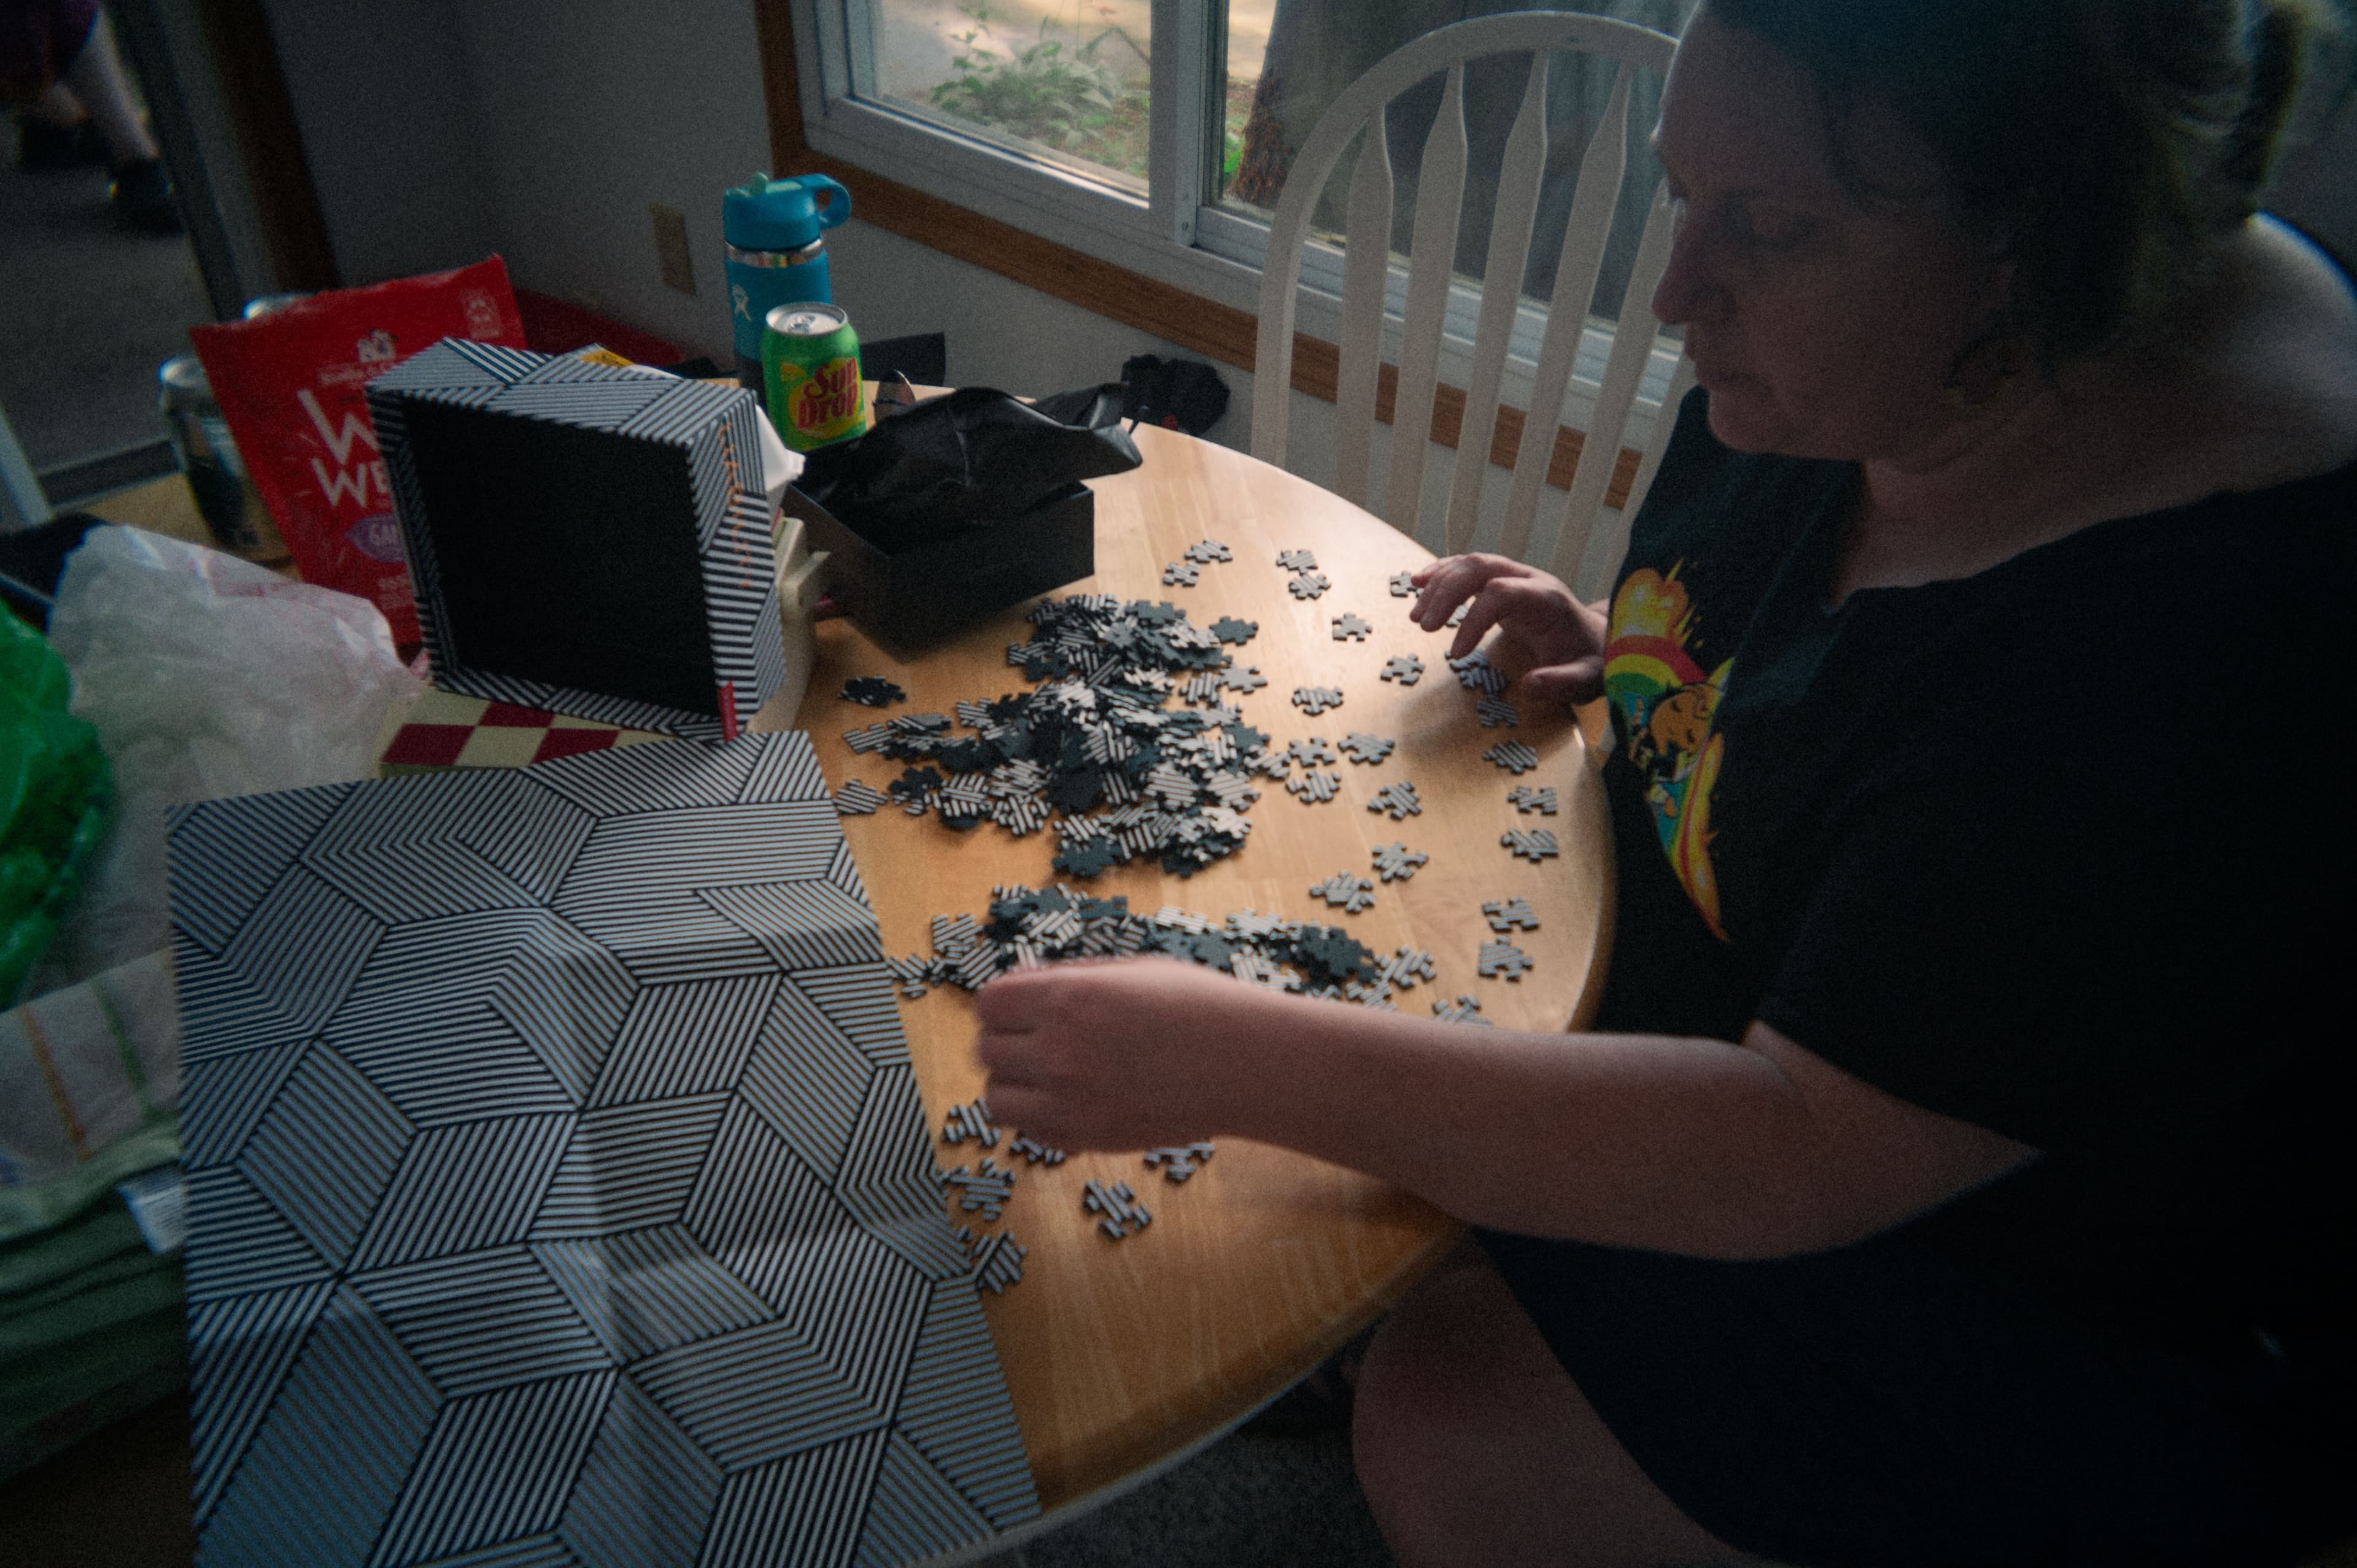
(289, 384)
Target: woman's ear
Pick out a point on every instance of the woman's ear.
(2002, 348)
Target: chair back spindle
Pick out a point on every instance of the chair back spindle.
(1618, 394)
(1431, 267)
(1519, 175)
(1577, 265)
(1366, 264)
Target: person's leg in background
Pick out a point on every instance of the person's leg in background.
(58, 61)
(39, 38)
(142, 190)
(55, 132)
(95, 76)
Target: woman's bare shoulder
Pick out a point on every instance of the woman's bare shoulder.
(2282, 371)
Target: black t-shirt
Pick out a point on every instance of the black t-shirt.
(2058, 849)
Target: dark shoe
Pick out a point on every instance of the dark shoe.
(141, 195)
(41, 146)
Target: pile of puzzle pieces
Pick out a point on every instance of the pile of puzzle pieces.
(1096, 740)
(1027, 926)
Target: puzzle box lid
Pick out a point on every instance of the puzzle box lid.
(558, 1187)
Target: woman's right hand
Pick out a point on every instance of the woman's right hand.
(1130, 1053)
(1547, 640)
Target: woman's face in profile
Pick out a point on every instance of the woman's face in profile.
(1820, 326)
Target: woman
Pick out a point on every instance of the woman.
(1948, 1179)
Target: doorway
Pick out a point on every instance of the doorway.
(101, 289)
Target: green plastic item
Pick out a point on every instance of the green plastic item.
(55, 795)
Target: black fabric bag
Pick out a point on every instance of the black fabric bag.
(965, 459)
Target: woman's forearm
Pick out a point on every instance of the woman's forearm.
(1646, 1142)
(1693, 1145)
(1704, 1146)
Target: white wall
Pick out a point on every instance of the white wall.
(604, 107)
(440, 130)
(1000, 333)
(385, 95)
(593, 109)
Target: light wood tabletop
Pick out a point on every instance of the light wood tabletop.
(1124, 1355)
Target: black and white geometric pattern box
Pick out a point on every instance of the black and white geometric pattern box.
(559, 1192)
(584, 538)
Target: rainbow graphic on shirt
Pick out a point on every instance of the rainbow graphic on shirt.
(1668, 705)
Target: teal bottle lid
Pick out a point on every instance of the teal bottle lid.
(765, 214)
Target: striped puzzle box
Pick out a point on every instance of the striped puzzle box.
(450, 729)
(586, 538)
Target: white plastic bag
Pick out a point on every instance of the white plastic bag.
(205, 676)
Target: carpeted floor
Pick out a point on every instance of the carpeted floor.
(88, 310)
(1248, 1501)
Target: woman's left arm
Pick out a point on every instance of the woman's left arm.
(1709, 1147)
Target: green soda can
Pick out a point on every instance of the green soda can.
(810, 375)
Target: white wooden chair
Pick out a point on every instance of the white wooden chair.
(1358, 112)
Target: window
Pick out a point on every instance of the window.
(1070, 86)
(1155, 136)
(1060, 117)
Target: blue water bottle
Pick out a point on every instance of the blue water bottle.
(776, 256)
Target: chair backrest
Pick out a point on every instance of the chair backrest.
(1359, 113)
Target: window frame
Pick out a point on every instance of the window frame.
(1153, 236)
(1168, 263)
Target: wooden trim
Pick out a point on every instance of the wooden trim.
(1202, 326)
(1505, 442)
(782, 83)
(270, 141)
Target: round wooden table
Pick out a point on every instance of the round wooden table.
(1123, 1356)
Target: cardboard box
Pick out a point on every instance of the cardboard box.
(910, 597)
(586, 538)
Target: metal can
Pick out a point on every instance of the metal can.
(810, 375)
(225, 496)
(264, 304)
